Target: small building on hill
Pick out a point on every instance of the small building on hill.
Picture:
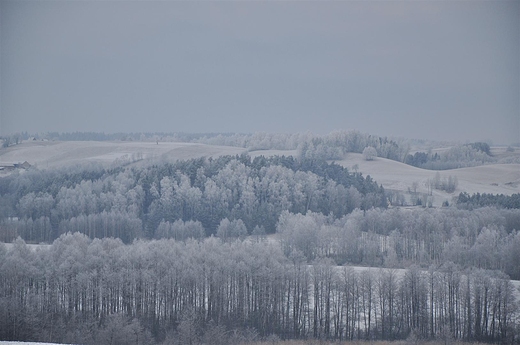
(12, 166)
(7, 166)
(25, 165)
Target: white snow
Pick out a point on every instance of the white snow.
(493, 178)
(54, 154)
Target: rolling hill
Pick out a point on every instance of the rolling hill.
(55, 154)
(493, 178)
(396, 176)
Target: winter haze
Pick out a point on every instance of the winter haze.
(435, 70)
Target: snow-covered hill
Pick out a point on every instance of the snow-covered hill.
(493, 178)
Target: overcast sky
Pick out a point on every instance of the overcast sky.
(428, 69)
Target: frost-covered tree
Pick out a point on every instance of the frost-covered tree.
(228, 230)
(369, 153)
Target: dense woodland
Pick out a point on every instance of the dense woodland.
(235, 249)
(131, 203)
(484, 238)
(320, 208)
(102, 291)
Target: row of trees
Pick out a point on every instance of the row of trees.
(13, 139)
(483, 238)
(336, 144)
(80, 290)
(457, 156)
(330, 146)
(481, 200)
(132, 202)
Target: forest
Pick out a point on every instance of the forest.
(41, 205)
(259, 172)
(235, 249)
(103, 291)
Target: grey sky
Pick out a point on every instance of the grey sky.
(435, 70)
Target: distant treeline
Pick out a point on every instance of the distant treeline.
(139, 136)
(85, 291)
(480, 200)
(337, 144)
(332, 146)
(458, 156)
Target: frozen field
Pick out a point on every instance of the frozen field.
(494, 178)
(53, 154)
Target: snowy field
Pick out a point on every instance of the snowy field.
(493, 178)
(55, 154)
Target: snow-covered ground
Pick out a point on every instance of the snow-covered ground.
(55, 154)
(493, 178)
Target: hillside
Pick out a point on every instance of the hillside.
(493, 178)
(393, 175)
(55, 154)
